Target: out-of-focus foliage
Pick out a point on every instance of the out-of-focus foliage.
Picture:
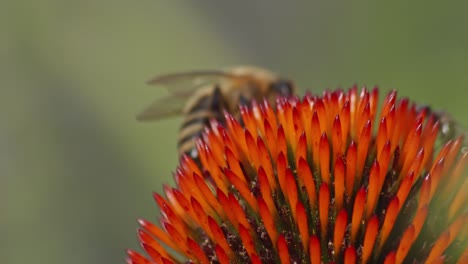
(77, 169)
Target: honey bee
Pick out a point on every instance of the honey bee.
(204, 95)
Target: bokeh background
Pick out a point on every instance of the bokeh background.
(77, 169)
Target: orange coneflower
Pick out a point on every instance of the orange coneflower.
(330, 179)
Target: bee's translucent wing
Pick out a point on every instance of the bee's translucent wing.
(164, 107)
(181, 87)
(186, 83)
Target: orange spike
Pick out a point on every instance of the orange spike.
(267, 219)
(136, 257)
(281, 164)
(233, 161)
(322, 115)
(248, 120)
(218, 236)
(222, 257)
(157, 233)
(258, 114)
(428, 144)
(301, 149)
(384, 162)
(224, 201)
(339, 183)
(363, 118)
(188, 165)
(216, 146)
(324, 150)
(358, 210)
(255, 259)
(228, 143)
(283, 250)
(351, 159)
(315, 139)
(345, 122)
(297, 123)
(373, 191)
(369, 238)
(281, 112)
(208, 195)
(405, 187)
(353, 100)
(196, 251)
(314, 250)
(399, 126)
(247, 240)
(237, 210)
(176, 237)
(155, 256)
(391, 258)
(252, 149)
(184, 204)
(419, 220)
(409, 152)
(270, 138)
(178, 209)
(281, 141)
(291, 192)
(265, 190)
(339, 232)
(389, 102)
(405, 244)
(243, 189)
(202, 217)
(438, 248)
(324, 203)
(265, 162)
(302, 224)
(391, 126)
(236, 131)
(389, 220)
(306, 117)
(172, 218)
(424, 192)
(381, 137)
(305, 174)
(337, 138)
(362, 149)
(215, 172)
(269, 113)
(350, 255)
(149, 241)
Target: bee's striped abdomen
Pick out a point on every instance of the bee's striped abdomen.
(197, 118)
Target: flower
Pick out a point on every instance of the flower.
(330, 179)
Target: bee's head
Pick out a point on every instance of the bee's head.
(282, 87)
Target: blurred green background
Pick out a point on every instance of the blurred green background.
(77, 169)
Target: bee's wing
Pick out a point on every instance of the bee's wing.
(184, 83)
(181, 86)
(164, 107)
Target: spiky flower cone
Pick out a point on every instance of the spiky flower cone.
(331, 179)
